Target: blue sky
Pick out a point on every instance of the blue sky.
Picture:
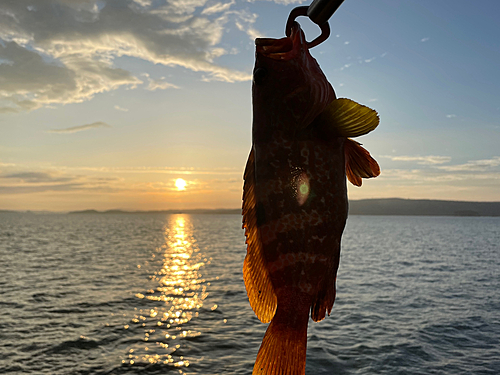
(105, 104)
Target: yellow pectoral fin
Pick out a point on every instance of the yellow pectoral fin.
(348, 118)
(359, 163)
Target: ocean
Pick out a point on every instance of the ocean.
(164, 294)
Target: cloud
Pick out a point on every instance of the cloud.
(474, 165)
(118, 108)
(37, 188)
(423, 40)
(65, 51)
(162, 170)
(426, 160)
(161, 84)
(79, 128)
(35, 177)
(285, 2)
(479, 169)
(23, 180)
(32, 81)
(451, 116)
(244, 22)
(218, 8)
(32, 181)
(436, 175)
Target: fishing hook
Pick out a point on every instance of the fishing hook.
(318, 12)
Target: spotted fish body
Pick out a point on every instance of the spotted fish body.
(295, 195)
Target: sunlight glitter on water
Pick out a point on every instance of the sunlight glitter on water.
(179, 295)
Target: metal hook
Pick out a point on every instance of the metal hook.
(319, 12)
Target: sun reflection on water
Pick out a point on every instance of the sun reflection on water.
(178, 296)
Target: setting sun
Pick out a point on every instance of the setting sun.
(180, 184)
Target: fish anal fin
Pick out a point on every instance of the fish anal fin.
(257, 282)
(346, 118)
(359, 163)
(283, 349)
(323, 303)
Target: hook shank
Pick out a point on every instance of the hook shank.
(319, 12)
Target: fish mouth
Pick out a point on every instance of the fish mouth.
(284, 48)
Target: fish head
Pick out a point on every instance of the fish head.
(289, 90)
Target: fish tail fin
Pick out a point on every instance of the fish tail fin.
(283, 349)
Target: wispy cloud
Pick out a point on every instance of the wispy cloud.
(160, 170)
(218, 7)
(423, 40)
(451, 116)
(474, 165)
(425, 160)
(118, 108)
(25, 189)
(245, 22)
(79, 128)
(160, 84)
(286, 2)
(23, 180)
(35, 177)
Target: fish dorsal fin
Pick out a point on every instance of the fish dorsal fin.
(359, 163)
(257, 282)
(348, 118)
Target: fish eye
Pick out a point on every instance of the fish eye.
(259, 75)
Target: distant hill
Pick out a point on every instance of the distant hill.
(389, 206)
(423, 207)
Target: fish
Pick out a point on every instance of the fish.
(295, 195)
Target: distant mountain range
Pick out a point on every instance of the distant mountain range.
(422, 207)
(390, 206)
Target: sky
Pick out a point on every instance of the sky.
(105, 104)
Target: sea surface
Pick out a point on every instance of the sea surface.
(164, 294)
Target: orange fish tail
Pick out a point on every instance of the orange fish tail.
(283, 349)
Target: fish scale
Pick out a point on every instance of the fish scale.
(291, 228)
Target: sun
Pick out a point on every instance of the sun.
(180, 184)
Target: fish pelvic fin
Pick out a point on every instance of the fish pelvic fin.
(255, 274)
(346, 118)
(359, 163)
(283, 349)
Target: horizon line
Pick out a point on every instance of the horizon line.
(194, 210)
